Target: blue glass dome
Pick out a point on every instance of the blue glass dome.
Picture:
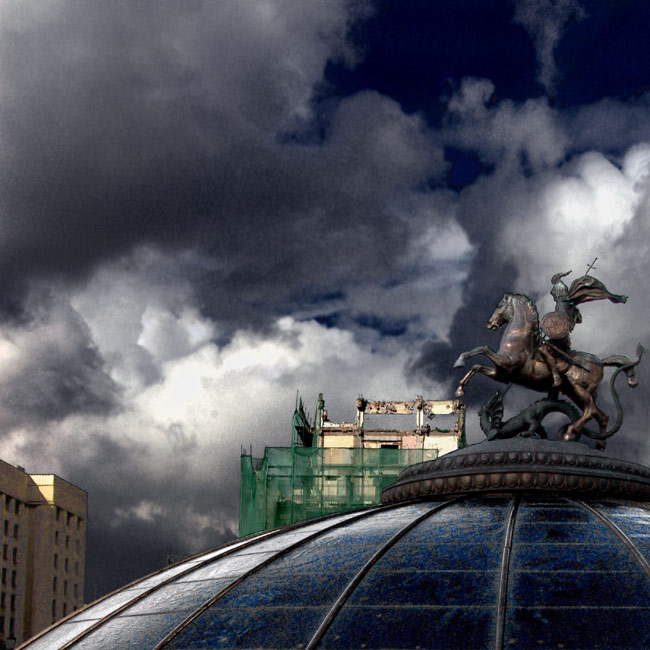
(476, 565)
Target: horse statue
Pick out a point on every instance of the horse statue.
(518, 361)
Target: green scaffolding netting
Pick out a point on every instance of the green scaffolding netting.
(292, 484)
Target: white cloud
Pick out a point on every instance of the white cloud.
(545, 22)
(506, 133)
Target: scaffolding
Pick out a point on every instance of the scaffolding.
(291, 484)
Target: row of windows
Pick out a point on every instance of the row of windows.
(67, 518)
(12, 624)
(12, 601)
(6, 529)
(57, 537)
(5, 553)
(12, 504)
(3, 578)
(63, 613)
(75, 587)
(66, 564)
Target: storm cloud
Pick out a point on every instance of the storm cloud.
(208, 206)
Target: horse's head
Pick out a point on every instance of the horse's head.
(502, 314)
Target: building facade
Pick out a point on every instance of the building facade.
(339, 466)
(43, 551)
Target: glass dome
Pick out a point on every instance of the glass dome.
(511, 566)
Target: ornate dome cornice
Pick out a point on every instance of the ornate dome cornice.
(523, 464)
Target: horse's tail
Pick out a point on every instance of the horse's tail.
(626, 365)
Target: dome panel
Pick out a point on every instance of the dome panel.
(550, 600)
(534, 570)
(447, 567)
(278, 601)
(130, 632)
(633, 522)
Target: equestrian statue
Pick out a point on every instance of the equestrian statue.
(538, 356)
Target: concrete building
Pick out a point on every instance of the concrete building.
(43, 551)
(357, 434)
(339, 466)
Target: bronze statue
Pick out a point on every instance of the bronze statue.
(557, 325)
(541, 358)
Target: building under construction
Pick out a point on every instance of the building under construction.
(337, 466)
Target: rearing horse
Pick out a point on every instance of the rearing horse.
(517, 362)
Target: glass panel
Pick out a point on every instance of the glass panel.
(436, 585)
(130, 632)
(540, 627)
(59, 635)
(239, 563)
(262, 627)
(279, 606)
(570, 578)
(179, 596)
(451, 628)
(108, 606)
(633, 521)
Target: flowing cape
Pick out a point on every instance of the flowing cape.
(587, 289)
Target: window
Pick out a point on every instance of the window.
(70, 518)
(67, 541)
(12, 603)
(14, 555)
(13, 578)
(54, 584)
(66, 565)
(56, 560)
(75, 590)
(58, 513)
(6, 528)
(2, 601)
(4, 576)
(17, 506)
(56, 536)
(15, 530)
(53, 611)
(65, 608)
(65, 587)
(8, 503)
(5, 553)
(76, 568)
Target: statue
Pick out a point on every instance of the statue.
(557, 325)
(539, 357)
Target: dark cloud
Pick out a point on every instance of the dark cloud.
(206, 206)
(53, 369)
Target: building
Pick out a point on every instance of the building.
(338, 466)
(43, 550)
(515, 544)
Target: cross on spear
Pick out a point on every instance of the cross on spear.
(591, 266)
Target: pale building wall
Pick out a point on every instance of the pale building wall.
(44, 580)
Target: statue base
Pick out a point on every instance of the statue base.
(523, 464)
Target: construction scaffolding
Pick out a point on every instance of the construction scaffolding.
(291, 484)
(339, 466)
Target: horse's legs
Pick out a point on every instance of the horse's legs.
(493, 356)
(486, 370)
(586, 401)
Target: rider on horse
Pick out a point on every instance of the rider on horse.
(556, 326)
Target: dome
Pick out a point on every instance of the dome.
(508, 544)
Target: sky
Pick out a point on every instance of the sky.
(206, 207)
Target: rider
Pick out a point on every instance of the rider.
(557, 325)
